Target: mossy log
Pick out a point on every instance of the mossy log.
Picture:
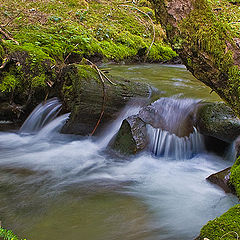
(204, 35)
(89, 102)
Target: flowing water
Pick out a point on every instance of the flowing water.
(55, 186)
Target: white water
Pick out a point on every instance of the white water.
(178, 198)
(169, 145)
(43, 114)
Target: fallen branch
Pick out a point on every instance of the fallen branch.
(8, 36)
(104, 97)
(154, 31)
(101, 72)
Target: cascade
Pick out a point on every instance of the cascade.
(173, 134)
(43, 114)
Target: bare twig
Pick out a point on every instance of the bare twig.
(154, 31)
(8, 36)
(104, 99)
(11, 20)
(101, 72)
(237, 237)
(70, 53)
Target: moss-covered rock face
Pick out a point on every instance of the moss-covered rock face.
(219, 121)
(132, 136)
(206, 36)
(91, 101)
(235, 176)
(224, 227)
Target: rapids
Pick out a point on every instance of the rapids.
(55, 186)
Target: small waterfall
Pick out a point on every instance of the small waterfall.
(43, 114)
(172, 132)
(168, 145)
(52, 127)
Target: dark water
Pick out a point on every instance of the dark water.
(66, 187)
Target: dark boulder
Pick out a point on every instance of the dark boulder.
(222, 180)
(132, 136)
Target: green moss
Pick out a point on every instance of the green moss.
(67, 28)
(124, 142)
(1, 52)
(235, 176)
(9, 83)
(8, 234)
(161, 53)
(225, 225)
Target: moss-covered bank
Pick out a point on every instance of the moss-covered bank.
(39, 38)
(225, 227)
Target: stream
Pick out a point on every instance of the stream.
(55, 186)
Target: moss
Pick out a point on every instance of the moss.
(1, 52)
(59, 29)
(161, 53)
(225, 225)
(235, 176)
(8, 83)
(8, 234)
(124, 142)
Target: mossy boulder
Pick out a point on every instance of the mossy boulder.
(225, 227)
(93, 103)
(132, 136)
(219, 121)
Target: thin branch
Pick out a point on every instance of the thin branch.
(11, 20)
(70, 53)
(154, 31)
(8, 36)
(104, 99)
(101, 72)
(230, 233)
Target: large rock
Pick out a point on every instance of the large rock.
(222, 179)
(219, 121)
(173, 115)
(83, 95)
(132, 136)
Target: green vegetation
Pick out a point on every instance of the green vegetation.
(235, 176)
(54, 33)
(8, 234)
(207, 29)
(225, 227)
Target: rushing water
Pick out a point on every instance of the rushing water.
(55, 186)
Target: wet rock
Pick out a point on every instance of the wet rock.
(132, 136)
(219, 121)
(222, 180)
(173, 115)
(91, 105)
